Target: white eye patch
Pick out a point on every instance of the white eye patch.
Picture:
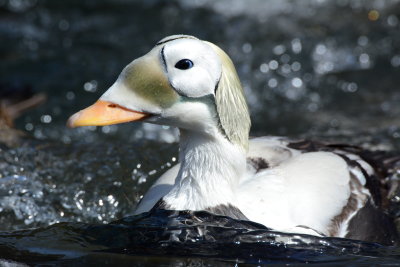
(193, 68)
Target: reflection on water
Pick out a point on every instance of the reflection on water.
(198, 236)
(315, 68)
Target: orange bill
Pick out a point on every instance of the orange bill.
(104, 113)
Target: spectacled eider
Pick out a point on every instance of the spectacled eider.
(291, 186)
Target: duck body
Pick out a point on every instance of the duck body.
(299, 186)
(292, 186)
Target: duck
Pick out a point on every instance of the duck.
(288, 185)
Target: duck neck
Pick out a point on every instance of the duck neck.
(211, 167)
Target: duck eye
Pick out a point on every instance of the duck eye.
(184, 64)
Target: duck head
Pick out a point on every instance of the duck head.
(183, 82)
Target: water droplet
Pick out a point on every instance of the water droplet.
(142, 180)
(110, 198)
(29, 126)
(247, 48)
(297, 82)
(70, 95)
(320, 49)
(352, 87)
(392, 20)
(264, 68)
(109, 129)
(78, 205)
(296, 66)
(279, 49)
(395, 61)
(286, 69)
(362, 40)
(272, 82)
(273, 64)
(296, 46)
(117, 183)
(105, 129)
(45, 118)
(88, 177)
(90, 86)
(364, 60)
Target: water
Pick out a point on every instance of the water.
(168, 238)
(317, 69)
(44, 183)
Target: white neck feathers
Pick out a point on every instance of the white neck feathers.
(211, 168)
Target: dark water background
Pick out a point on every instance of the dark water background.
(318, 69)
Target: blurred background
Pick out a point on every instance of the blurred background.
(318, 69)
